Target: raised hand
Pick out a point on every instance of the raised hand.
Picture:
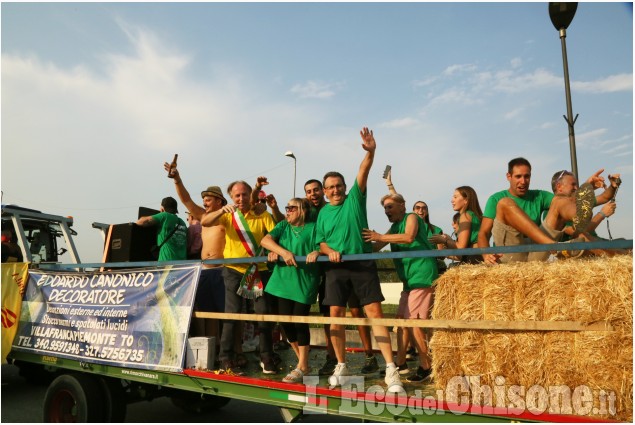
(368, 140)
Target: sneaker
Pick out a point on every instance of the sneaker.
(420, 375)
(411, 354)
(393, 381)
(370, 366)
(340, 375)
(268, 366)
(584, 203)
(403, 370)
(329, 366)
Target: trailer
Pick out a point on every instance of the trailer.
(109, 334)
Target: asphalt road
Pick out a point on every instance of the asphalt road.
(22, 402)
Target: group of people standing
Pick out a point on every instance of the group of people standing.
(338, 226)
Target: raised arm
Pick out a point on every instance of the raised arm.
(195, 210)
(388, 178)
(369, 145)
(609, 192)
(275, 210)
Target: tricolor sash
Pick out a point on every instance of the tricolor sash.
(251, 286)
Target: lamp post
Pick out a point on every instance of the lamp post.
(561, 15)
(291, 155)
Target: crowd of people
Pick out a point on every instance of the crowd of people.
(336, 226)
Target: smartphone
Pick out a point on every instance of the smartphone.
(386, 171)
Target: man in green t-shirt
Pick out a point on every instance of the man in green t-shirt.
(409, 233)
(339, 232)
(172, 234)
(513, 216)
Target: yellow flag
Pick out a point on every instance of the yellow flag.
(14, 278)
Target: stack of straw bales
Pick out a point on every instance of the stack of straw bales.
(581, 290)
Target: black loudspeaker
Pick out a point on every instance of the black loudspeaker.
(130, 242)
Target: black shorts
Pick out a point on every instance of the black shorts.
(353, 301)
(210, 295)
(357, 278)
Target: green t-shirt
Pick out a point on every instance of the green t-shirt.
(533, 203)
(176, 246)
(340, 226)
(301, 283)
(418, 272)
(312, 215)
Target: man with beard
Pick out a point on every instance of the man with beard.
(210, 296)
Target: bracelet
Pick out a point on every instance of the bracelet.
(602, 214)
(391, 185)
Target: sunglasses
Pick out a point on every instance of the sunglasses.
(290, 208)
(262, 200)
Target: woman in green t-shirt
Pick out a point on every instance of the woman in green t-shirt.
(295, 285)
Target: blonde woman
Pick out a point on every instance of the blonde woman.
(294, 285)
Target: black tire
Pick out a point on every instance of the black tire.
(115, 402)
(73, 398)
(199, 403)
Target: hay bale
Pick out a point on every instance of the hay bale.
(584, 290)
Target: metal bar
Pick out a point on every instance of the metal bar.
(567, 90)
(602, 244)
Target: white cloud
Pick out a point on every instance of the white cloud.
(459, 68)
(400, 123)
(516, 62)
(513, 113)
(613, 83)
(316, 89)
(425, 82)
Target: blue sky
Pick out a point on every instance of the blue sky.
(95, 97)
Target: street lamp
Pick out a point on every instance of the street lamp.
(291, 155)
(561, 15)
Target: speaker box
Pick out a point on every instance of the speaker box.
(130, 242)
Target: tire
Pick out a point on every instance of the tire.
(115, 402)
(73, 398)
(199, 403)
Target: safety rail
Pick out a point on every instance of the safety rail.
(565, 246)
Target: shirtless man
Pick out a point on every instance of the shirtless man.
(210, 295)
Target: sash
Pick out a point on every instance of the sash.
(251, 286)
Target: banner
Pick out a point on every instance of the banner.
(14, 276)
(131, 318)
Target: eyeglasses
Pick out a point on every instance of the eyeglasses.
(290, 208)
